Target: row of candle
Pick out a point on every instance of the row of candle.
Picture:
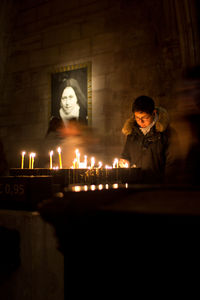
(31, 160)
(79, 188)
(32, 156)
(77, 164)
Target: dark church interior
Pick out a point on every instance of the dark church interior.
(99, 149)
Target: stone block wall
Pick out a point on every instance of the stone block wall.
(134, 48)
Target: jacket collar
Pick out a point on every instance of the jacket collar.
(161, 124)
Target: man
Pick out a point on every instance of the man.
(148, 143)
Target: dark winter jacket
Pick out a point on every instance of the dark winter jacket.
(151, 152)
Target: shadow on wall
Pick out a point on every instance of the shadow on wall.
(186, 120)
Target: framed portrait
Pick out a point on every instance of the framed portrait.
(71, 93)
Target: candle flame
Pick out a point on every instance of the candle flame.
(108, 167)
(93, 187)
(76, 188)
(92, 162)
(115, 186)
(100, 187)
(85, 188)
(100, 165)
(116, 163)
(59, 150)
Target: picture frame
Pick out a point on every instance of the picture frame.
(74, 79)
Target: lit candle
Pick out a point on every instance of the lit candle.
(74, 163)
(115, 186)
(100, 187)
(50, 157)
(92, 162)
(59, 154)
(108, 167)
(85, 161)
(32, 162)
(22, 163)
(77, 157)
(93, 187)
(76, 188)
(100, 165)
(116, 163)
(85, 188)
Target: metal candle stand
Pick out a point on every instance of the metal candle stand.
(66, 177)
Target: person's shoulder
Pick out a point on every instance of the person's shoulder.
(128, 126)
(162, 123)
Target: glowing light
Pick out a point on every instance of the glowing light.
(115, 186)
(100, 187)
(82, 165)
(32, 162)
(92, 162)
(107, 186)
(59, 155)
(22, 162)
(85, 161)
(100, 165)
(77, 158)
(76, 188)
(108, 167)
(55, 168)
(93, 187)
(74, 163)
(116, 163)
(126, 185)
(126, 165)
(50, 159)
(85, 188)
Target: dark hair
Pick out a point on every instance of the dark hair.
(144, 104)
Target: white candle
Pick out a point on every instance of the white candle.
(59, 154)
(74, 163)
(85, 161)
(77, 157)
(32, 163)
(116, 163)
(100, 165)
(92, 162)
(50, 157)
(22, 162)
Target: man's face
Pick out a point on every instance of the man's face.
(143, 119)
(68, 99)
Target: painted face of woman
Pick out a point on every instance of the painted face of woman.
(68, 100)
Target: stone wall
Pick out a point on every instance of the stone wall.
(135, 47)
